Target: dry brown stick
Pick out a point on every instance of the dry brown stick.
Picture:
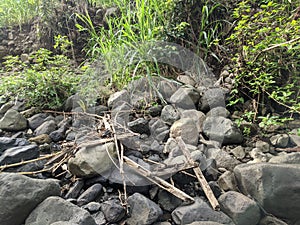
(158, 181)
(205, 186)
(28, 161)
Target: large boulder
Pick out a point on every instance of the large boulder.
(221, 129)
(19, 195)
(199, 211)
(13, 121)
(55, 209)
(93, 159)
(276, 187)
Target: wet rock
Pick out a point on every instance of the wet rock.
(186, 97)
(55, 209)
(18, 154)
(117, 97)
(13, 121)
(92, 160)
(140, 126)
(169, 114)
(241, 209)
(113, 210)
(222, 130)
(186, 129)
(275, 187)
(142, 210)
(290, 158)
(227, 181)
(7, 142)
(46, 128)
(280, 140)
(19, 195)
(199, 211)
(89, 194)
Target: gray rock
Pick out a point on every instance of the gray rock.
(167, 88)
(262, 146)
(89, 194)
(223, 158)
(38, 119)
(18, 154)
(218, 111)
(222, 130)
(258, 156)
(46, 128)
(271, 220)
(275, 187)
(5, 107)
(227, 181)
(142, 210)
(72, 102)
(186, 79)
(117, 97)
(113, 210)
(290, 158)
(295, 139)
(92, 160)
(212, 98)
(167, 201)
(74, 191)
(54, 209)
(99, 218)
(7, 142)
(186, 97)
(120, 114)
(58, 135)
(63, 223)
(169, 114)
(195, 115)
(199, 211)
(241, 209)
(92, 207)
(19, 195)
(280, 140)
(186, 129)
(13, 121)
(140, 126)
(154, 110)
(158, 129)
(204, 223)
(238, 152)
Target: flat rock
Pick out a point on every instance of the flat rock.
(92, 160)
(241, 209)
(54, 209)
(276, 187)
(199, 211)
(13, 121)
(142, 210)
(18, 154)
(46, 128)
(19, 195)
(222, 130)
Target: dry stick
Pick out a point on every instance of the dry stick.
(28, 161)
(205, 186)
(158, 181)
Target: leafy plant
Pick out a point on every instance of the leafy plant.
(267, 39)
(45, 83)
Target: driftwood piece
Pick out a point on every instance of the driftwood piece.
(205, 186)
(158, 181)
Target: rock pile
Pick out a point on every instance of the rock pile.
(72, 173)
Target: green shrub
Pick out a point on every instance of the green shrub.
(267, 41)
(45, 83)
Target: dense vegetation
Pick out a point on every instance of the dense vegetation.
(260, 40)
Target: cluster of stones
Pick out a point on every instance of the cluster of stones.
(252, 182)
